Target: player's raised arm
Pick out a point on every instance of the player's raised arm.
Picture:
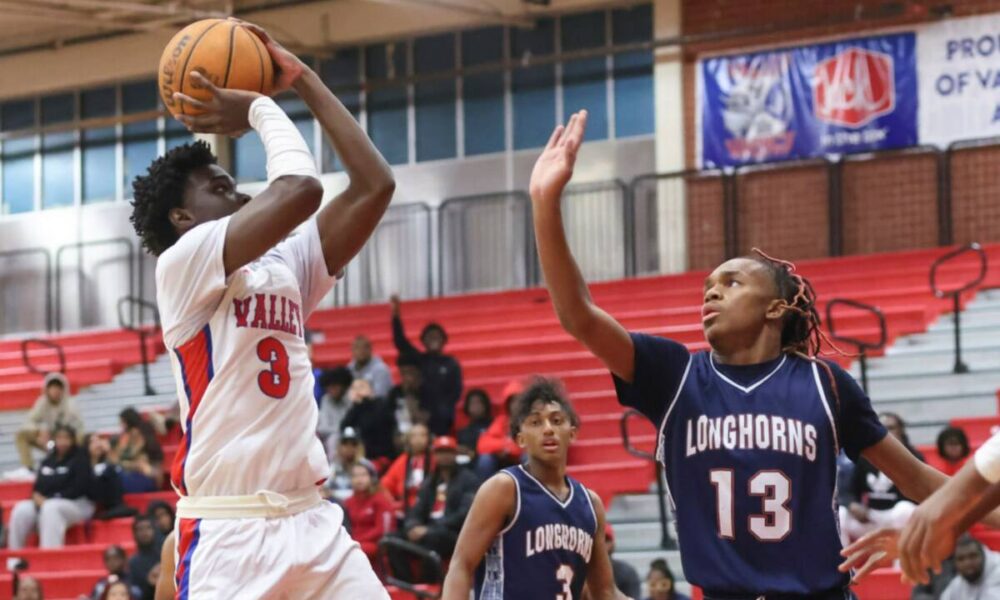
(580, 317)
(293, 192)
(349, 220)
(600, 577)
(493, 505)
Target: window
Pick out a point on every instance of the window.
(435, 100)
(388, 125)
(18, 190)
(533, 88)
(341, 71)
(483, 94)
(633, 72)
(58, 165)
(99, 161)
(585, 81)
(140, 141)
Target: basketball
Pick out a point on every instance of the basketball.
(225, 52)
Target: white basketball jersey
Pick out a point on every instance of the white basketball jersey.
(239, 357)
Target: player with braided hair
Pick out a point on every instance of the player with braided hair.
(748, 432)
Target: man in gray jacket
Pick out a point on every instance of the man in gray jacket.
(369, 367)
(978, 572)
(53, 408)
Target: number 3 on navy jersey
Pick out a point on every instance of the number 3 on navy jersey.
(565, 576)
(775, 489)
(275, 381)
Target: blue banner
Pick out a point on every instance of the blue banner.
(841, 97)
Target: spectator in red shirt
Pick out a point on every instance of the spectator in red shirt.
(953, 448)
(404, 476)
(369, 509)
(495, 447)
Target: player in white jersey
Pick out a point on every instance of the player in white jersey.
(234, 291)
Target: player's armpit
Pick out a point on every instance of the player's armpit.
(600, 578)
(492, 508)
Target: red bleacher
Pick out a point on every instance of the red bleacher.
(501, 336)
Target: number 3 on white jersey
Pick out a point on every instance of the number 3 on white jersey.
(564, 574)
(774, 487)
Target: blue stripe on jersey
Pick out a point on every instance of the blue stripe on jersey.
(545, 549)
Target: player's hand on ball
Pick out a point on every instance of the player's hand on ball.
(876, 550)
(288, 67)
(554, 167)
(226, 113)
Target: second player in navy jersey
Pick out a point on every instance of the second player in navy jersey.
(749, 431)
(532, 532)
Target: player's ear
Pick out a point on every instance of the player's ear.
(181, 218)
(777, 309)
(519, 439)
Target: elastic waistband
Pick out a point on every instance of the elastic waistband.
(264, 504)
(834, 594)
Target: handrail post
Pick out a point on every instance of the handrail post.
(665, 542)
(956, 294)
(862, 346)
(139, 303)
(47, 343)
(418, 551)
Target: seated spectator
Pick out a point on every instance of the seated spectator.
(437, 517)
(117, 589)
(874, 500)
(496, 449)
(371, 368)
(114, 562)
(369, 509)
(978, 572)
(138, 454)
(477, 407)
(953, 449)
(442, 375)
(349, 452)
(312, 338)
(105, 486)
(626, 578)
(52, 409)
(27, 587)
(405, 397)
(163, 517)
(375, 422)
(333, 406)
(404, 477)
(147, 555)
(845, 471)
(661, 582)
(59, 497)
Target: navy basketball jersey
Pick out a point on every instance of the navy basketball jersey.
(750, 459)
(544, 551)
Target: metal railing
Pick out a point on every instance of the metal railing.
(862, 346)
(956, 293)
(46, 277)
(79, 247)
(60, 354)
(137, 304)
(661, 495)
(430, 590)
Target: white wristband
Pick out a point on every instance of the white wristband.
(286, 151)
(987, 459)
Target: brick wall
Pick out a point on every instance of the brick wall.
(888, 205)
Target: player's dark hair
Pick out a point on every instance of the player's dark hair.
(162, 189)
(953, 434)
(546, 391)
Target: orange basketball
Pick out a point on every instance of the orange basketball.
(226, 53)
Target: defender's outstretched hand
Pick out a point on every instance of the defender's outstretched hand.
(226, 113)
(876, 550)
(554, 167)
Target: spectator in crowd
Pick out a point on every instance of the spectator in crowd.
(496, 449)
(371, 368)
(53, 408)
(147, 554)
(163, 516)
(27, 587)
(442, 505)
(138, 453)
(105, 486)
(626, 578)
(978, 572)
(349, 452)
(369, 509)
(845, 472)
(442, 375)
(953, 449)
(116, 589)
(333, 406)
(405, 397)
(661, 582)
(405, 476)
(59, 497)
(311, 339)
(874, 500)
(480, 413)
(374, 420)
(115, 563)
